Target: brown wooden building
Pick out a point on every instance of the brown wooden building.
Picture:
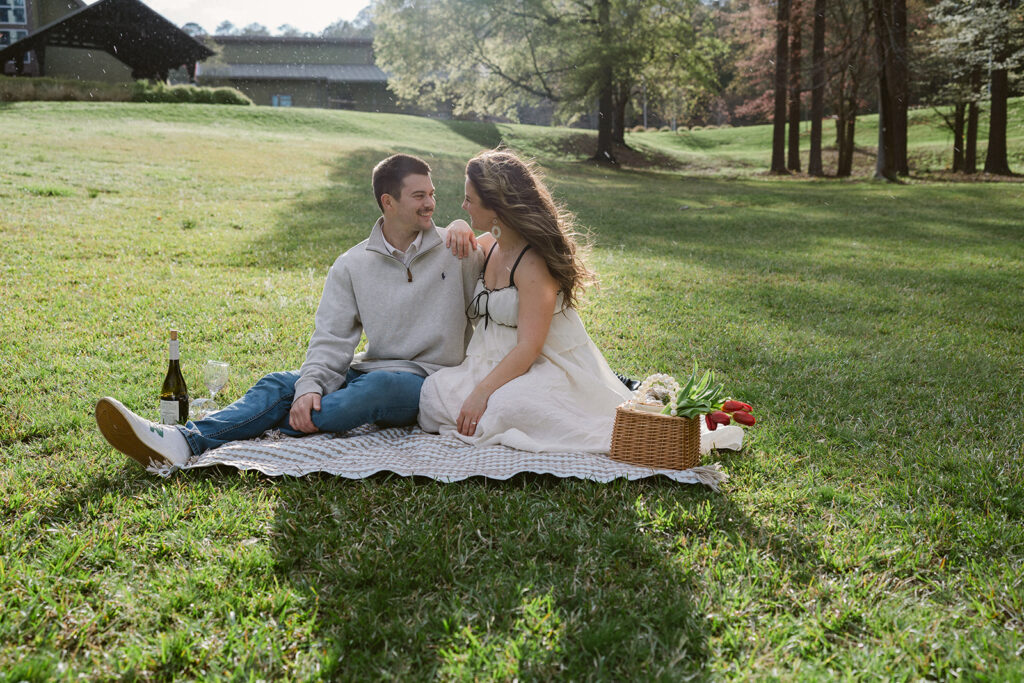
(300, 72)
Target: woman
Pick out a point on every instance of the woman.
(532, 378)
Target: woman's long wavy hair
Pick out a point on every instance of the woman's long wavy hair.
(514, 189)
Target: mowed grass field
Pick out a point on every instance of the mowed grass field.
(871, 527)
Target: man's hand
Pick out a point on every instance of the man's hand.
(461, 239)
(301, 415)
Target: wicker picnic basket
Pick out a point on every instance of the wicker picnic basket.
(651, 439)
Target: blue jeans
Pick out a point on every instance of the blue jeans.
(389, 399)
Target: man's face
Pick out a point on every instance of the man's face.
(414, 207)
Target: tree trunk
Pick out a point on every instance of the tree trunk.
(958, 137)
(901, 84)
(605, 115)
(851, 146)
(995, 159)
(781, 71)
(795, 56)
(840, 105)
(814, 166)
(842, 167)
(846, 147)
(885, 166)
(606, 103)
(621, 100)
(971, 144)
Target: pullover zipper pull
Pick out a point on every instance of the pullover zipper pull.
(409, 273)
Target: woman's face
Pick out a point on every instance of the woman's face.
(479, 217)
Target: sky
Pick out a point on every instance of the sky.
(306, 15)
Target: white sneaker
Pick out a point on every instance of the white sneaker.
(151, 444)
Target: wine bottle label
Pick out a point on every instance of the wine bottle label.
(173, 350)
(169, 412)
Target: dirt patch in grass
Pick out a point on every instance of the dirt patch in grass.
(580, 147)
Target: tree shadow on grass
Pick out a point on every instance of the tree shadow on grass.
(485, 134)
(874, 329)
(739, 213)
(533, 577)
(321, 223)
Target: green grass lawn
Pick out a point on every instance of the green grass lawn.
(871, 528)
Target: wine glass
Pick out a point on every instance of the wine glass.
(215, 376)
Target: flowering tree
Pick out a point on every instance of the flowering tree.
(966, 43)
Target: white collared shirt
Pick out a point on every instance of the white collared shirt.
(405, 256)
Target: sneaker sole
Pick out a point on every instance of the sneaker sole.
(119, 433)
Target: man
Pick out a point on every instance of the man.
(401, 286)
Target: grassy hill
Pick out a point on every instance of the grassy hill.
(871, 527)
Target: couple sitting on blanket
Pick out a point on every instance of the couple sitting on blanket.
(530, 378)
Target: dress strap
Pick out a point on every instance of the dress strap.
(479, 307)
(512, 273)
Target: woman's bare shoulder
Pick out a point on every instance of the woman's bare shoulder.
(532, 270)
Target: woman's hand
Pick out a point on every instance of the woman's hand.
(460, 238)
(472, 410)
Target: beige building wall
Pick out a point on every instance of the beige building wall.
(85, 65)
(361, 96)
(303, 93)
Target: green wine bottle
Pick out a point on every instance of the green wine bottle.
(173, 393)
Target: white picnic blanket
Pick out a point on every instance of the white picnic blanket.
(408, 451)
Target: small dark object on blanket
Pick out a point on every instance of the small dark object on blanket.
(631, 384)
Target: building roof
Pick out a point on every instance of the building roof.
(344, 73)
(299, 40)
(127, 29)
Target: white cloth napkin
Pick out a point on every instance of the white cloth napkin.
(729, 437)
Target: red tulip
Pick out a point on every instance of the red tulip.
(720, 417)
(744, 418)
(732, 406)
(712, 425)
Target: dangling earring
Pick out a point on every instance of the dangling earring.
(496, 230)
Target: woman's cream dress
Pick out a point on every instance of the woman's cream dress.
(565, 402)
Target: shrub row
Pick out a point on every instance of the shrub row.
(143, 91)
(61, 90)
